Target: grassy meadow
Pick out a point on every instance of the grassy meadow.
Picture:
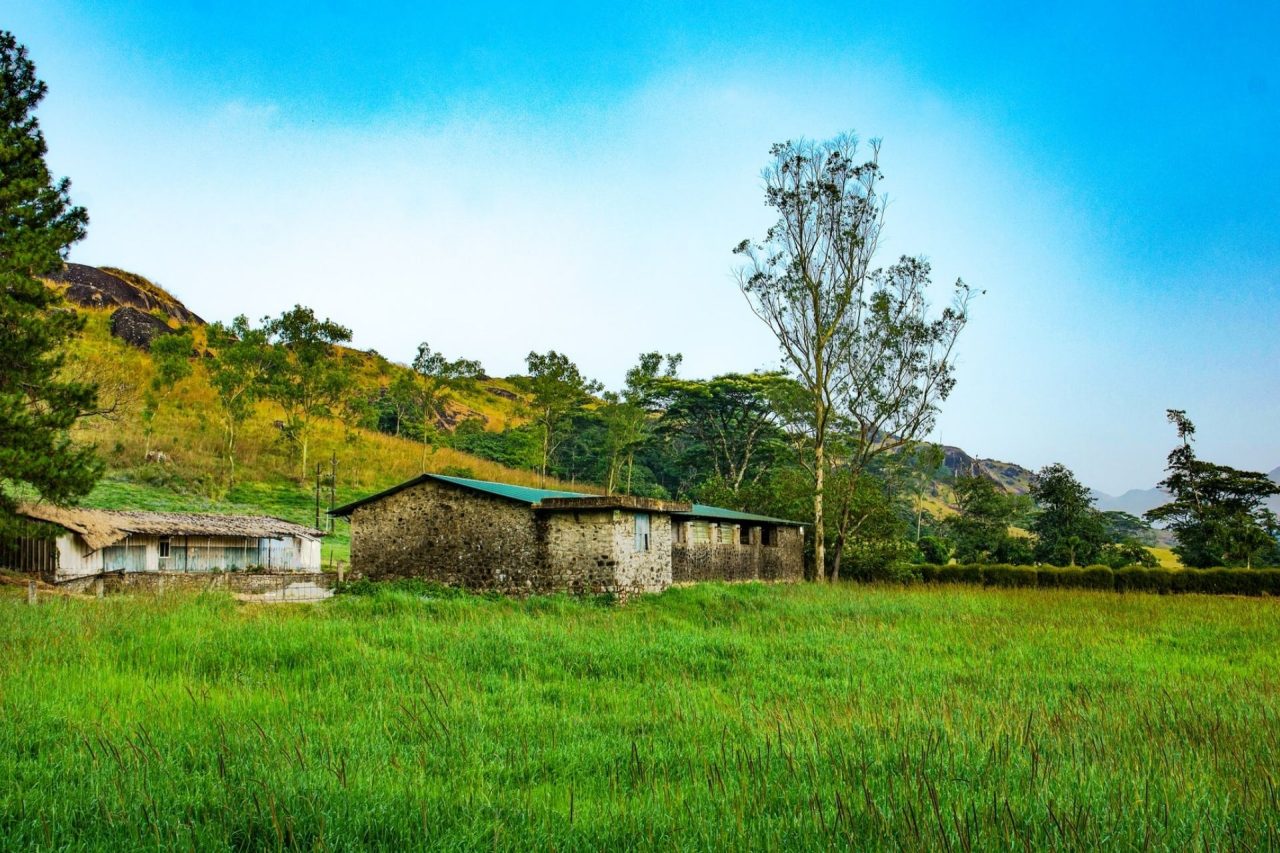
(707, 717)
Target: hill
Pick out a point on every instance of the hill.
(178, 465)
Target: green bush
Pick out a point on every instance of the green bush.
(1140, 579)
(1059, 577)
(933, 550)
(1133, 578)
(1009, 576)
(1098, 577)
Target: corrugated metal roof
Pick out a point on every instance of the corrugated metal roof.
(532, 497)
(719, 513)
(524, 494)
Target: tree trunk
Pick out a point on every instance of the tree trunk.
(304, 440)
(819, 546)
(546, 453)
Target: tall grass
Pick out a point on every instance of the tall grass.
(704, 718)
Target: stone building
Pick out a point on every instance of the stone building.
(513, 539)
(92, 542)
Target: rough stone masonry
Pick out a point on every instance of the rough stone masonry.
(509, 539)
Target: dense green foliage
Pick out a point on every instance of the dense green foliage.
(1218, 513)
(1068, 530)
(308, 377)
(1148, 578)
(705, 718)
(38, 403)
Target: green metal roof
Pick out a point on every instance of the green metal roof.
(532, 497)
(715, 512)
(524, 494)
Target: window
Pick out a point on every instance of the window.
(744, 535)
(642, 531)
(679, 532)
(700, 532)
(725, 534)
(164, 548)
(769, 535)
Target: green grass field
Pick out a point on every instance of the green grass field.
(708, 717)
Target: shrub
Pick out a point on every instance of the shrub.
(1098, 577)
(929, 572)
(1009, 576)
(934, 550)
(1140, 579)
(955, 574)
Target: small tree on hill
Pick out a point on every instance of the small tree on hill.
(171, 363)
(308, 379)
(436, 379)
(1218, 513)
(1069, 531)
(38, 223)
(557, 391)
(243, 359)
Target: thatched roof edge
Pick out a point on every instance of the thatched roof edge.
(100, 528)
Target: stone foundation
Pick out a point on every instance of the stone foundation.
(245, 583)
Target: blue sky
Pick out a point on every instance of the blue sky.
(507, 178)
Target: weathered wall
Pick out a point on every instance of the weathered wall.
(579, 555)
(694, 561)
(187, 554)
(235, 582)
(644, 570)
(462, 538)
(452, 536)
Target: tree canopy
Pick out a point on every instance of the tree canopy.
(38, 223)
(858, 339)
(1069, 531)
(1218, 513)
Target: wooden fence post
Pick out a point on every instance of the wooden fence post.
(98, 586)
(31, 592)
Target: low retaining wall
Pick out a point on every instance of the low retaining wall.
(243, 583)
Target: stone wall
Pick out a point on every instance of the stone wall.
(714, 561)
(641, 571)
(452, 536)
(250, 583)
(463, 538)
(459, 537)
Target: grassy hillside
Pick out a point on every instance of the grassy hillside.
(713, 717)
(188, 432)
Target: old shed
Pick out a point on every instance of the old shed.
(94, 541)
(515, 539)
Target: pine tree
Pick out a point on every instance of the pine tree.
(38, 405)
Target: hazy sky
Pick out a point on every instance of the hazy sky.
(515, 177)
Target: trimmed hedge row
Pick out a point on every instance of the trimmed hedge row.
(1130, 578)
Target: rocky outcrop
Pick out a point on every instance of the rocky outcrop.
(100, 288)
(1011, 477)
(134, 327)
